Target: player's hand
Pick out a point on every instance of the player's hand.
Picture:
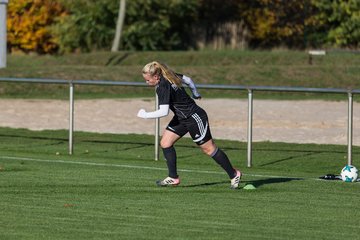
(141, 113)
(197, 97)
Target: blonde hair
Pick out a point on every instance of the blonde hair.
(155, 67)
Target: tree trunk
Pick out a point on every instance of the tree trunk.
(119, 26)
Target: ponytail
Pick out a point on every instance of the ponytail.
(155, 67)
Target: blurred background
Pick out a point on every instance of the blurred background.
(63, 26)
(232, 42)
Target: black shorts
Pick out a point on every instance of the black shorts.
(197, 125)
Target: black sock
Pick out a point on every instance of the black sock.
(221, 158)
(170, 157)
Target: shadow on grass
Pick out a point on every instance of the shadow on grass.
(306, 154)
(260, 182)
(135, 144)
(116, 59)
(256, 183)
(204, 184)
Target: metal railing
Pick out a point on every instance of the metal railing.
(249, 89)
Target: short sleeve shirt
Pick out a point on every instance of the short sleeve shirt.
(176, 97)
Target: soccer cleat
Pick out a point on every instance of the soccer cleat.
(236, 180)
(168, 182)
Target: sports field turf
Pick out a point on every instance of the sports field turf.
(106, 190)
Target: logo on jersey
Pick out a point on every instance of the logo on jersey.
(175, 87)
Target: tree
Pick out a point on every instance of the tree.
(277, 22)
(88, 26)
(28, 22)
(341, 19)
(149, 25)
(159, 24)
(119, 26)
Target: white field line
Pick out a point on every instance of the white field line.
(132, 166)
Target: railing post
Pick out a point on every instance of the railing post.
(71, 118)
(250, 121)
(157, 129)
(350, 127)
(3, 32)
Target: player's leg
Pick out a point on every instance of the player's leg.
(210, 149)
(167, 144)
(222, 159)
(199, 130)
(171, 135)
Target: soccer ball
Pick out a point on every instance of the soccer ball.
(349, 173)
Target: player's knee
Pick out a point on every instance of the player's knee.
(165, 144)
(208, 149)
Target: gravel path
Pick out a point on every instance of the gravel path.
(322, 122)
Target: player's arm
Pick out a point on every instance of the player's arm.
(189, 82)
(161, 112)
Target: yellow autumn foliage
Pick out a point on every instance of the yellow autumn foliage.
(275, 21)
(28, 24)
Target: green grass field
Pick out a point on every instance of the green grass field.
(106, 190)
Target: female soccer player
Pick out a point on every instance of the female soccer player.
(188, 117)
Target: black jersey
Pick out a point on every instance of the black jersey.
(176, 97)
